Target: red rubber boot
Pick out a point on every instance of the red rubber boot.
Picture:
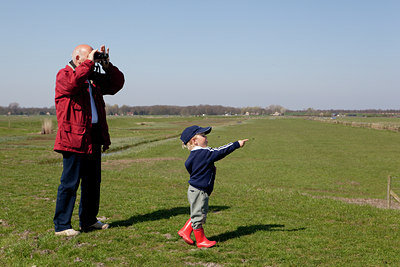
(201, 239)
(186, 231)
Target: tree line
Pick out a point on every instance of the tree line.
(199, 110)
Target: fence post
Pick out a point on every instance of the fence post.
(388, 191)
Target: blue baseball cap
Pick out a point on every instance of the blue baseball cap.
(191, 131)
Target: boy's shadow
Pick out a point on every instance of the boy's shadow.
(248, 230)
(161, 214)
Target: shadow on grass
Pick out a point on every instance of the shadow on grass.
(248, 230)
(161, 214)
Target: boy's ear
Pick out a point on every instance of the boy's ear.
(193, 140)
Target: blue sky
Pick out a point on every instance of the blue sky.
(337, 54)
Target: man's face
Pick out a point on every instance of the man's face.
(84, 55)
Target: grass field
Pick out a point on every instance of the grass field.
(279, 201)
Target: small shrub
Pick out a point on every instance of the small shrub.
(47, 126)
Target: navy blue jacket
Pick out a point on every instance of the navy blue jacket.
(200, 165)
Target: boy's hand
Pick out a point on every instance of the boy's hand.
(242, 142)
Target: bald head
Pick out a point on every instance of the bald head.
(81, 53)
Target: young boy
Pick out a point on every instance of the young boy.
(200, 165)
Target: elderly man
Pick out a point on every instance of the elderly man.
(82, 130)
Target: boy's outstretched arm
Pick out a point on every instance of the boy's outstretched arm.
(242, 142)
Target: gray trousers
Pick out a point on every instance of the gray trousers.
(198, 200)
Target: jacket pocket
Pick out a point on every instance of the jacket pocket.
(73, 136)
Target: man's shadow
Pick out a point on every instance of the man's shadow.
(161, 214)
(248, 230)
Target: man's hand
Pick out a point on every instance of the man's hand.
(91, 55)
(105, 147)
(105, 63)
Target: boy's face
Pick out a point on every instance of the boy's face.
(201, 140)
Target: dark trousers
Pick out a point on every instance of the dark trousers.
(86, 170)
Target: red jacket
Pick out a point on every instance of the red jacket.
(74, 114)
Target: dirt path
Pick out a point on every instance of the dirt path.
(379, 203)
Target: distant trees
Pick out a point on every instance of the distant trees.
(15, 109)
(276, 108)
(191, 110)
(199, 110)
(172, 110)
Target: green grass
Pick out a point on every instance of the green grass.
(384, 120)
(272, 204)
